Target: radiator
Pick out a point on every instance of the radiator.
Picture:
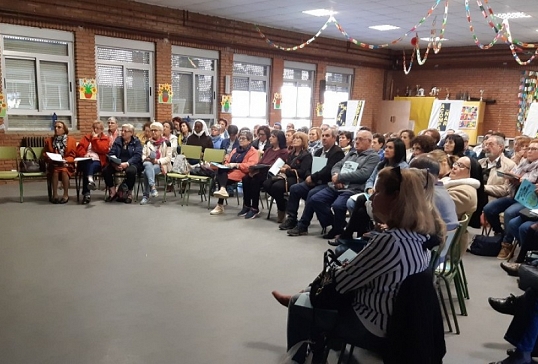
(35, 141)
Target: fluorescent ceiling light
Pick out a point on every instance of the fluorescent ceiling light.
(513, 15)
(436, 39)
(383, 27)
(320, 12)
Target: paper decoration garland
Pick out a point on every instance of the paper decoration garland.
(165, 93)
(226, 103)
(87, 89)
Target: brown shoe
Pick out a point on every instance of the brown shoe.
(281, 217)
(506, 250)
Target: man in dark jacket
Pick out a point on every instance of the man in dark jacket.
(316, 181)
(347, 178)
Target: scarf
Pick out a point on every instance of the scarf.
(314, 146)
(239, 154)
(60, 143)
(157, 144)
(525, 167)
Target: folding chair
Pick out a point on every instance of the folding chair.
(9, 154)
(32, 175)
(206, 183)
(190, 152)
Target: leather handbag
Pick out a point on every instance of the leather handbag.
(30, 163)
(323, 292)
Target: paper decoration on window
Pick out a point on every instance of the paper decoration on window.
(87, 89)
(319, 109)
(226, 103)
(3, 106)
(277, 101)
(165, 93)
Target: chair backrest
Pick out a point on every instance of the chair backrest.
(7, 153)
(454, 250)
(214, 155)
(450, 235)
(415, 332)
(191, 151)
(37, 150)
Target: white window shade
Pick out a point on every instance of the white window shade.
(55, 85)
(137, 86)
(21, 84)
(182, 88)
(110, 86)
(250, 90)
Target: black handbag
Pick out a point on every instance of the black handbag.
(487, 246)
(32, 164)
(323, 292)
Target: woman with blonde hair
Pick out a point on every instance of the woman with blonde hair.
(314, 140)
(296, 169)
(403, 201)
(445, 162)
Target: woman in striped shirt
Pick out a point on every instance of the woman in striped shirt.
(402, 201)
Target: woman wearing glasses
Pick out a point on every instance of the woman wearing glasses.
(262, 141)
(66, 147)
(403, 200)
(238, 164)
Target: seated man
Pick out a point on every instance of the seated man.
(348, 178)
(316, 181)
(495, 160)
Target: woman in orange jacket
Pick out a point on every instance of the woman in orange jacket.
(95, 147)
(238, 162)
(63, 168)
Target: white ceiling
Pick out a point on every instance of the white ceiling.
(355, 16)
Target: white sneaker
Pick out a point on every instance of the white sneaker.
(154, 192)
(144, 200)
(218, 210)
(222, 193)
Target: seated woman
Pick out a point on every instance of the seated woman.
(253, 180)
(359, 221)
(216, 137)
(65, 146)
(445, 162)
(454, 145)
(156, 159)
(296, 169)
(314, 140)
(183, 133)
(238, 162)
(262, 142)
(145, 134)
(168, 134)
(422, 144)
(289, 138)
(95, 147)
(200, 136)
(128, 151)
(344, 141)
(407, 137)
(402, 201)
(527, 169)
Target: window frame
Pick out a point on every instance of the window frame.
(299, 66)
(250, 120)
(129, 45)
(340, 70)
(68, 60)
(204, 54)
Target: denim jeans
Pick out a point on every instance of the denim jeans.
(88, 168)
(510, 208)
(150, 171)
(324, 203)
(297, 192)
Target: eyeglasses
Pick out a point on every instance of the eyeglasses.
(532, 149)
(111, 123)
(261, 134)
(460, 165)
(155, 129)
(242, 138)
(126, 131)
(58, 127)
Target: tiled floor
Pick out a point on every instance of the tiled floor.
(164, 283)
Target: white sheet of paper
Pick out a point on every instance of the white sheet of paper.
(55, 157)
(318, 163)
(304, 300)
(275, 168)
(221, 166)
(79, 159)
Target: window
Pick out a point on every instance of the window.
(125, 80)
(337, 89)
(250, 87)
(193, 83)
(297, 94)
(37, 67)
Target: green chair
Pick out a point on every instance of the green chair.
(32, 175)
(461, 268)
(9, 154)
(190, 152)
(448, 271)
(206, 183)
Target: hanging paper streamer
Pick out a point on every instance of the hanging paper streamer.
(87, 89)
(165, 93)
(226, 103)
(3, 106)
(277, 101)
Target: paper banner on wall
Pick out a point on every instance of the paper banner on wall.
(3, 106)
(87, 89)
(530, 127)
(468, 117)
(226, 103)
(445, 115)
(277, 101)
(165, 93)
(319, 109)
(349, 115)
